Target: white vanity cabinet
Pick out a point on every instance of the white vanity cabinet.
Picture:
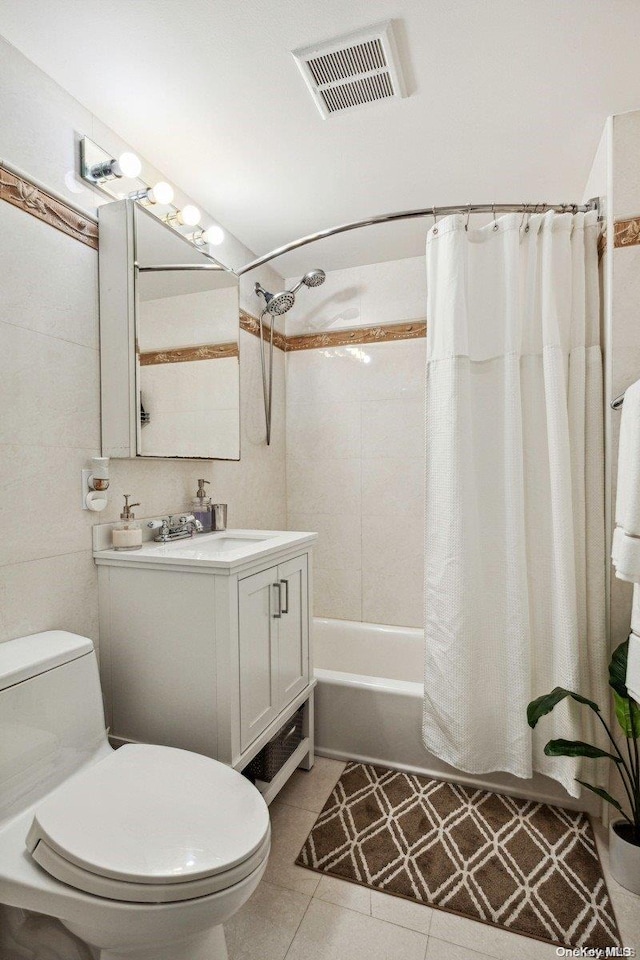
(273, 634)
(209, 649)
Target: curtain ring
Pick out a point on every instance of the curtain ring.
(434, 211)
(524, 213)
(466, 226)
(495, 222)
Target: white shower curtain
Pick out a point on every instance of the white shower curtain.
(515, 556)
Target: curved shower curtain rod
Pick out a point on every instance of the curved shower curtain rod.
(434, 212)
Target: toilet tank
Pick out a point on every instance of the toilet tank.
(51, 715)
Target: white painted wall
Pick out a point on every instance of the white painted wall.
(49, 383)
(355, 445)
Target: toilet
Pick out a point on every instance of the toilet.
(136, 854)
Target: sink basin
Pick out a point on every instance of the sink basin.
(228, 543)
(231, 548)
(216, 543)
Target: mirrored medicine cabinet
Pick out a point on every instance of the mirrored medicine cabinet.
(169, 343)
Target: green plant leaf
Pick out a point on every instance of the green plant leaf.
(577, 748)
(545, 704)
(604, 796)
(628, 714)
(618, 669)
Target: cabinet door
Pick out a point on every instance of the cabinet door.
(293, 630)
(258, 636)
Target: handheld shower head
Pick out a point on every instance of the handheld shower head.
(276, 304)
(314, 278)
(279, 303)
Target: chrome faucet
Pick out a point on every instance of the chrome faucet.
(176, 527)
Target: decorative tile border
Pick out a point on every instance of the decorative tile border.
(251, 324)
(208, 351)
(384, 333)
(626, 233)
(32, 199)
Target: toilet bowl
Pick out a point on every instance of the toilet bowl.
(142, 853)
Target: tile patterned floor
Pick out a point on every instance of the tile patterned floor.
(300, 915)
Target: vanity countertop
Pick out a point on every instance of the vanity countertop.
(224, 550)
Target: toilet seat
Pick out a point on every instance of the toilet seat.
(152, 824)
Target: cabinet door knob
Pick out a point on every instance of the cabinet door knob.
(285, 608)
(279, 591)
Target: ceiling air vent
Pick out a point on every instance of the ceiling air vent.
(353, 70)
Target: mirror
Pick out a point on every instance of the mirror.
(182, 336)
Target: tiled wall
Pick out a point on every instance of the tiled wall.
(355, 445)
(49, 386)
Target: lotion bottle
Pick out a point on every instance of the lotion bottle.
(127, 535)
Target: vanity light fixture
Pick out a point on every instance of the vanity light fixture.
(213, 235)
(161, 193)
(100, 168)
(127, 165)
(188, 216)
(102, 171)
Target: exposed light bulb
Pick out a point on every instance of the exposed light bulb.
(213, 235)
(127, 165)
(161, 193)
(189, 215)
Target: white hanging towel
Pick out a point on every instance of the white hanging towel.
(625, 552)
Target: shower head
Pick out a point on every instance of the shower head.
(314, 278)
(276, 303)
(279, 303)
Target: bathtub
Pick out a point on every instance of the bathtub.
(369, 708)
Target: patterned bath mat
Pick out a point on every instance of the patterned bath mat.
(525, 866)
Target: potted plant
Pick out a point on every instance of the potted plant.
(624, 834)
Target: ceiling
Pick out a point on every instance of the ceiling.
(507, 102)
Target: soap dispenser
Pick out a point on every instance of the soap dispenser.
(201, 507)
(127, 535)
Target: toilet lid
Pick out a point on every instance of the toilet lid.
(150, 815)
